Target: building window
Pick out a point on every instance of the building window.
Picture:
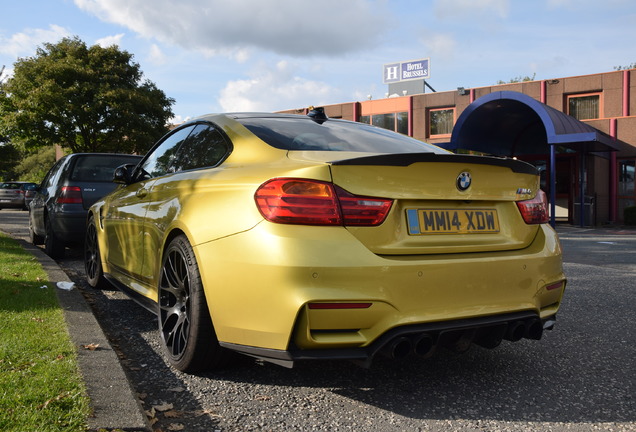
(441, 121)
(397, 122)
(385, 121)
(402, 123)
(585, 107)
(626, 185)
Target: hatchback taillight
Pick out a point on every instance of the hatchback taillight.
(535, 210)
(70, 195)
(313, 202)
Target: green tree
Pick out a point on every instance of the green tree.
(34, 167)
(9, 158)
(86, 99)
(519, 79)
(629, 66)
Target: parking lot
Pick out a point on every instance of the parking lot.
(579, 377)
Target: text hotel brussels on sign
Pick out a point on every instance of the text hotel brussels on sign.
(407, 70)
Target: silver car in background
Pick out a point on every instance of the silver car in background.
(13, 194)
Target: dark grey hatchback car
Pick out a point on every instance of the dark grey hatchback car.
(57, 214)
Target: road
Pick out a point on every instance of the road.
(579, 377)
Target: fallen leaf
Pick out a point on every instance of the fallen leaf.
(176, 389)
(172, 414)
(90, 347)
(56, 398)
(163, 407)
(176, 427)
(208, 412)
(37, 319)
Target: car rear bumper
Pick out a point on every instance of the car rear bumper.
(12, 203)
(69, 226)
(260, 284)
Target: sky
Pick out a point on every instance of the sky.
(272, 55)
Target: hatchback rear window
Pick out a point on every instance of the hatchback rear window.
(10, 186)
(304, 133)
(94, 168)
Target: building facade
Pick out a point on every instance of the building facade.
(547, 123)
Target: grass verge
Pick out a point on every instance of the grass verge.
(41, 388)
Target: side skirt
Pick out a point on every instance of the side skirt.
(143, 301)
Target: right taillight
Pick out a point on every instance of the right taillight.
(313, 202)
(535, 210)
(70, 195)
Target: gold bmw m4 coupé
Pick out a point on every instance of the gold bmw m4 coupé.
(289, 238)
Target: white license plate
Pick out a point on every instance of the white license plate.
(451, 221)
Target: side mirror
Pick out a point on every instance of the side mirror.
(123, 174)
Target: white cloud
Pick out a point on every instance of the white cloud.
(448, 9)
(439, 46)
(156, 56)
(110, 40)
(26, 42)
(274, 89)
(290, 27)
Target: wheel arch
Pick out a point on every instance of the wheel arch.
(175, 232)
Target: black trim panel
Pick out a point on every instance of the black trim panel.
(143, 301)
(406, 159)
(364, 355)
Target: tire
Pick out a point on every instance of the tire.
(53, 247)
(34, 239)
(186, 329)
(92, 258)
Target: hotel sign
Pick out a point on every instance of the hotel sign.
(407, 70)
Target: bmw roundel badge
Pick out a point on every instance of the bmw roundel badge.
(463, 181)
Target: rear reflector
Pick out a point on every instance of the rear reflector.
(70, 195)
(313, 202)
(554, 286)
(339, 305)
(535, 210)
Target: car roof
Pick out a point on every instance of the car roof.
(243, 115)
(101, 154)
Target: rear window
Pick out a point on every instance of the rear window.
(304, 133)
(94, 168)
(10, 186)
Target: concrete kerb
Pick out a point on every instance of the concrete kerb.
(113, 401)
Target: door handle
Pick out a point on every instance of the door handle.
(141, 193)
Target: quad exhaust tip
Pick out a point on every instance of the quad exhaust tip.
(425, 344)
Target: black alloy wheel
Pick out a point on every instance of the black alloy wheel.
(187, 333)
(92, 258)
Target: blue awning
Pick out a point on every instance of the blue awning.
(508, 123)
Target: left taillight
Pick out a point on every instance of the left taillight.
(313, 202)
(70, 195)
(535, 210)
